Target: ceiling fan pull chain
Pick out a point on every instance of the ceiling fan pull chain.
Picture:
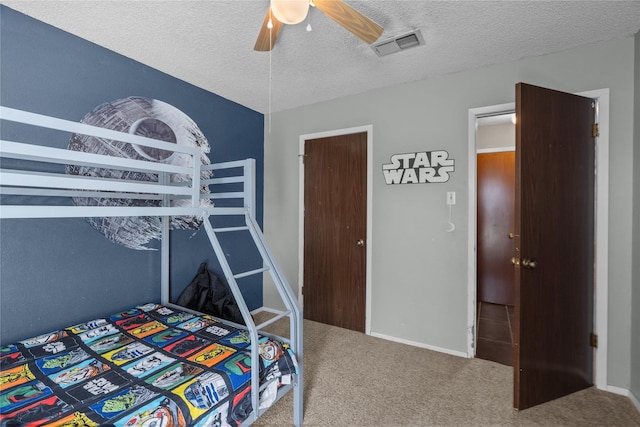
(270, 26)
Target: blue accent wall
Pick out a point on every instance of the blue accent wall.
(57, 272)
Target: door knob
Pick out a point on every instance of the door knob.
(529, 263)
(511, 235)
(515, 261)
(360, 242)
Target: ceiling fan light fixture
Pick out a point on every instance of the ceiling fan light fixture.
(290, 11)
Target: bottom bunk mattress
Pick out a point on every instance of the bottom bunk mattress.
(149, 366)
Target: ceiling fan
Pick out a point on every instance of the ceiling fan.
(295, 11)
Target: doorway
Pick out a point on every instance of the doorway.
(335, 268)
(495, 178)
(601, 228)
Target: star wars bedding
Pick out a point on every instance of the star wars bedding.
(149, 366)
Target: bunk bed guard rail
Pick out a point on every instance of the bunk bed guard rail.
(21, 174)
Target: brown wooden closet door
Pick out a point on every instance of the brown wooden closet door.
(335, 224)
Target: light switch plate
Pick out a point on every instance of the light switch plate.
(451, 197)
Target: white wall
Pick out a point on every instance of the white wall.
(419, 289)
(635, 324)
(496, 136)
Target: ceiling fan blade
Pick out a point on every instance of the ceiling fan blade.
(267, 37)
(350, 19)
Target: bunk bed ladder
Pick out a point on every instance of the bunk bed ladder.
(288, 298)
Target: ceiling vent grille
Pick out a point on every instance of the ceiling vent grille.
(398, 43)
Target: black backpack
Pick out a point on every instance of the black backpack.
(208, 294)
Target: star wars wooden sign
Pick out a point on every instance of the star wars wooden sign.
(418, 168)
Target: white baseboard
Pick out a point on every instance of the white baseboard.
(635, 400)
(616, 390)
(624, 392)
(421, 345)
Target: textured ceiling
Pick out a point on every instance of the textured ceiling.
(210, 43)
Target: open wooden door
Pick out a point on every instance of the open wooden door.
(554, 245)
(335, 230)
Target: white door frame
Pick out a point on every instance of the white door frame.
(303, 138)
(601, 277)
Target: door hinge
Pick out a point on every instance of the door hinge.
(594, 340)
(595, 131)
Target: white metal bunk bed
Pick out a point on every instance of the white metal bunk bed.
(60, 186)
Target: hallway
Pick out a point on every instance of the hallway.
(495, 333)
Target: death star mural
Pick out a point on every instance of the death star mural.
(153, 119)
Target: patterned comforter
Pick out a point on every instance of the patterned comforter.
(149, 366)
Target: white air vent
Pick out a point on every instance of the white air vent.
(398, 43)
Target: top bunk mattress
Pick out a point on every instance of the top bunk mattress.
(151, 365)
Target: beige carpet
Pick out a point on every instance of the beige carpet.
(352, 379)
